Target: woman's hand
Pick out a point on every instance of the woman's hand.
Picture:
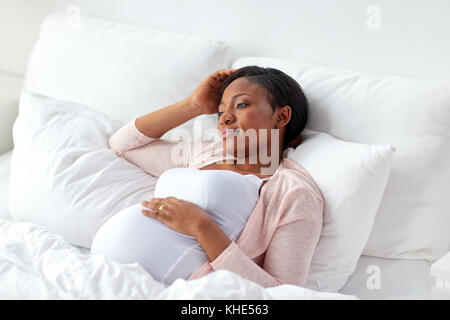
(188, 218)
(205, 97)
(182, 216)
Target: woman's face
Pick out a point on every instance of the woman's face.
(244, 107)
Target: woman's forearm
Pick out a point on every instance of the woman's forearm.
(212, 239)
(157, 123)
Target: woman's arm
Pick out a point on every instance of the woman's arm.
(157, 123)
(287, 260)
(152, 155)
(203, 100)
(139, 141)
(189, 218)
(152, 126)
(289, 254)
(212, 239)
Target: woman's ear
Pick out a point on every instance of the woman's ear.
(283, 116)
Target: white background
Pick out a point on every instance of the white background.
(413, 39)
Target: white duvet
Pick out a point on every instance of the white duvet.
(38, 264)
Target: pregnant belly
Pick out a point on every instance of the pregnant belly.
(130, 237)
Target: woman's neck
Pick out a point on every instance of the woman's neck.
(268, 169)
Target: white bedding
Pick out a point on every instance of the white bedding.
(400, 279)
(38, 264)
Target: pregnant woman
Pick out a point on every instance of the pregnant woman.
(230, 204)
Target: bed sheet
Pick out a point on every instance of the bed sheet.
(390, 279)
(398, 279)
(36, 263)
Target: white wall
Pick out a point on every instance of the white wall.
(413, 39)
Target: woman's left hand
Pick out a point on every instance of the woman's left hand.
(182, 216)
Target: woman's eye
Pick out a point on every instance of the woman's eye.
(239, 105)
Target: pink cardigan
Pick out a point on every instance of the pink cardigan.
(279, 239)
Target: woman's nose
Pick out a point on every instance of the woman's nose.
(227, 118)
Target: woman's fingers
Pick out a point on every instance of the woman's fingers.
(150, 213)
(216, 79)
(219, 77)
(154, 204)
(227, 70)
(223, 73)
(148, 204)
(155, 201)
(154, 213)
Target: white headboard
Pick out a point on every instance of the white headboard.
(400, 37)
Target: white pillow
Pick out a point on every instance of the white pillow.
(412, 115)
(63, 174)
(121, 70)
(352, 178)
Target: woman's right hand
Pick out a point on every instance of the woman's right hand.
(205, 97)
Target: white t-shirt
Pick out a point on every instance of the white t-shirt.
(129, 236)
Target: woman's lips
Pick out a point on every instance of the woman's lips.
(229, 132)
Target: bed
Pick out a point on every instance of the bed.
(42, 259)
(36, 263)
(400, 279)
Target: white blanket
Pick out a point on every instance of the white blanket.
(38, 264)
